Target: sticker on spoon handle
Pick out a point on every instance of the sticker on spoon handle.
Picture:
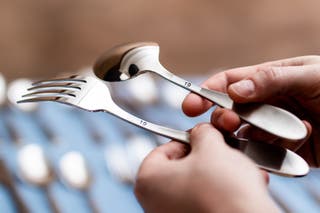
(183, 83)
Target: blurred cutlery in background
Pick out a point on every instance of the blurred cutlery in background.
(117, 162)
(76, 174)
(7, 179)
(34, 168)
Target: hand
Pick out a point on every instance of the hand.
(207, 176)
(293, 84)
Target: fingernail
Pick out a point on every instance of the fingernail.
(243, 88)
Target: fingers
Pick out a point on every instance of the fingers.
(295, 61)
(221, 80)
(206, 138)
(169, 151)
(225, 120)
(268, 82)
(194, 105)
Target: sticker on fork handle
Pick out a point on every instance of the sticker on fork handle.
(187, 84)
(143, 123)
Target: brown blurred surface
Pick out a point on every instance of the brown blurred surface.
(40, 38)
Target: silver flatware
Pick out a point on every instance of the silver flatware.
(34, 168)
(129, 60)
(8, 180)
(90, 93)
(75, 173)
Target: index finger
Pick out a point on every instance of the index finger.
(194, 105)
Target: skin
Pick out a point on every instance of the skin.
(207, 176)
(293, 84)
(210, 176)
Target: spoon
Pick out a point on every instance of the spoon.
(75, 173)
(7, 179)
(129, 60)
(34, 168)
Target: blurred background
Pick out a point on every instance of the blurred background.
(41, 38)
(55, 158)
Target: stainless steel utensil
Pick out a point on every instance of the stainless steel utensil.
(7, 179)
(75, 173)
(129, 60)
(34, 168)
(90, 93)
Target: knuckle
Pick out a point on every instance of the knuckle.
(200, 127)
(269, 73)
(216, 115)
(266, 80)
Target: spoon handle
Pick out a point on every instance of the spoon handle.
(51, 201)
(7, 179)
(91, 204)
(269, 118)
(269, 157)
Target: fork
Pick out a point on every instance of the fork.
(91, 94)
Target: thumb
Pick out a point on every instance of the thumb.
(204, 138)
(168, 151)
(267, 82)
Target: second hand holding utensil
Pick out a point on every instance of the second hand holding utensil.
(90, 93)
(129, 60)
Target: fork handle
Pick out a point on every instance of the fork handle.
(273, 158)
(160, 130)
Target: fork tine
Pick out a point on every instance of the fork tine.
(55, 87)
(61, 80)
(38, 99)
(63, 93)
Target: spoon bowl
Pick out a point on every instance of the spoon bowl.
(33, 165)
(34, 168)
(75, 173)
(74, 170)
(111, 67)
